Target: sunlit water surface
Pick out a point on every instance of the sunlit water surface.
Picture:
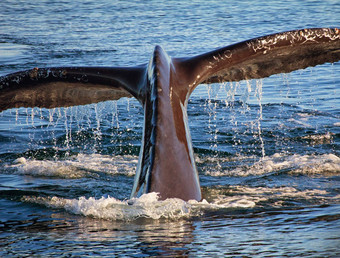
(267, 151)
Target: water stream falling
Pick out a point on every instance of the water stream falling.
(89, 128)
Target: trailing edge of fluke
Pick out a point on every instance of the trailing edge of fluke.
(163, 86)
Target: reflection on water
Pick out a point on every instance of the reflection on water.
(58, 232)
(293, 232)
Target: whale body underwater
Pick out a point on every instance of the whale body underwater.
(163, 86)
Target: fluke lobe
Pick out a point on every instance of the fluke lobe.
(163, 86)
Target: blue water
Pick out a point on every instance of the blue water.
(267, 151)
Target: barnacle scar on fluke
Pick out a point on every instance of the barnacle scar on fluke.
(163, 86)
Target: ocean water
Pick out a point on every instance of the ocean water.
(267, 151)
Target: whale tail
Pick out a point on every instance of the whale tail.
(163, 87)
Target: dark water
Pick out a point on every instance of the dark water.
(268, 151)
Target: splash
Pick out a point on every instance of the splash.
(148, 206)
(294, 164)
(87, 165)
(232, 107)
(82, 165)
(273, 197)
(68, 129)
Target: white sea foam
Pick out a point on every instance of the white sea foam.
(302, 164)
(316, 139)
(78, 166)
(278, 195)
(149, 206)
(84, 165)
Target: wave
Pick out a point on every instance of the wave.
(82, 165)
(219, 199)
(148, 206)
(326, 164)
(88, 165)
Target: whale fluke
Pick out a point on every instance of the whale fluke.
(163, 87)
(264, 56)
(69, 86)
